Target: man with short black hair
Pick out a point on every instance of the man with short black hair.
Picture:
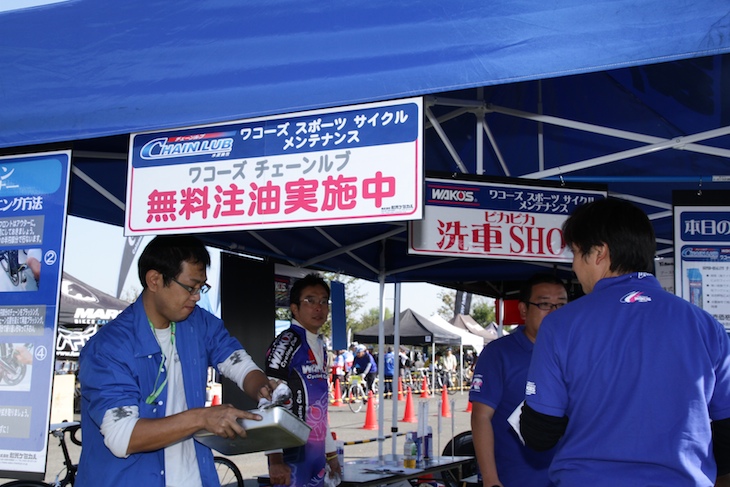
(297, 357)
(498, 387)
(144, 375)
(631, 382)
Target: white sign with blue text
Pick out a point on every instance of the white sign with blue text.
(356, 164)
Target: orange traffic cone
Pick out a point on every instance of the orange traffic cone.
(424, 389)
(468, 407)
(216, 400)
(409, 416)
(400, 390)
(370, 422)
(445, 408)
(338, 394)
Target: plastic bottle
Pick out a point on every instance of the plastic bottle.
(695, 286)
(428, 444)
(341, 455)
(409, 452)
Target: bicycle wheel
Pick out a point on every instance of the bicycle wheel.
(26, 483)
(452, 383)
(355, 397)
(228, 473)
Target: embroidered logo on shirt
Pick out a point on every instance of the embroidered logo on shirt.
(476, 383)
(530, 388)
(635, 297)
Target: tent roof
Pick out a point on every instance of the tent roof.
(466, 322)
(613, 92)
(83, 305)
(467, 338)
(414, 330)
(88, 69)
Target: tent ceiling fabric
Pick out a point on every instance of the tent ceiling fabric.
(81, 69)
(566, 90)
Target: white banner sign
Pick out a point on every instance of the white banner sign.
(356, 164)
(495, 220)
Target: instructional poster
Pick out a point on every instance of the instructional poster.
(33, 198)
(702, 249)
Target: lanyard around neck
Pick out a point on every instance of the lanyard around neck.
(158, 390)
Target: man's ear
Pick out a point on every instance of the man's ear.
(154, 280)
(522, 307)
(603, 253)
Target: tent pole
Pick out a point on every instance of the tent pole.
(381, 374)
(396, 372)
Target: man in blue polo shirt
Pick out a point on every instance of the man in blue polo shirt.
(631, 382)
(498, 387)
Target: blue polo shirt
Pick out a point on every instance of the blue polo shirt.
(499, 382)
(640, 374)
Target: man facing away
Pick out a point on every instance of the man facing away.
(631, 382)
(498, 387)
(143, 378)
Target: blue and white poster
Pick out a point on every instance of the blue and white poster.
(702, 258)
(33, 203)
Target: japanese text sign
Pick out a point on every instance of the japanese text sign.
(33, 203)
(495, 221)
(702, 256)
(356, 164)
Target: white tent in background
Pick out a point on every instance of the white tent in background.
(467, 338)
(466, 322)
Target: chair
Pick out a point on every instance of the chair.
(462, 445)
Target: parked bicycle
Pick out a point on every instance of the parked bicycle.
(68, 474)
(229, 474)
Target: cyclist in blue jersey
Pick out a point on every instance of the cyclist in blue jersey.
(298, 357)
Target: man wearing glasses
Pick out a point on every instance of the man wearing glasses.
(498, 387)
(143, 378)
(298, 357)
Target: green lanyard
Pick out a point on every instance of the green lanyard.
(158, 390)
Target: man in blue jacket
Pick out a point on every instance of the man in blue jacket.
(143, 378)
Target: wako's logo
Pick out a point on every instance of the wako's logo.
(635, 297)
(460, 195)
(190, 145)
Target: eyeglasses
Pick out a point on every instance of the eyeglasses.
(204, 288)
(315, 302)
(547, 306)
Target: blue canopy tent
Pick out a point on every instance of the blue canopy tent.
(520, 89)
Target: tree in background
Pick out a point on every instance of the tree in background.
(370, 318)
(353, 301)
(448, 298)
(482, 309)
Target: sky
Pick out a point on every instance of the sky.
(94, 251)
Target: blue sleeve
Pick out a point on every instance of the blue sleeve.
(108, 376)
(487, 382)
(545, 391)
(720, 403)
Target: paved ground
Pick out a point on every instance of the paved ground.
(349, 427)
